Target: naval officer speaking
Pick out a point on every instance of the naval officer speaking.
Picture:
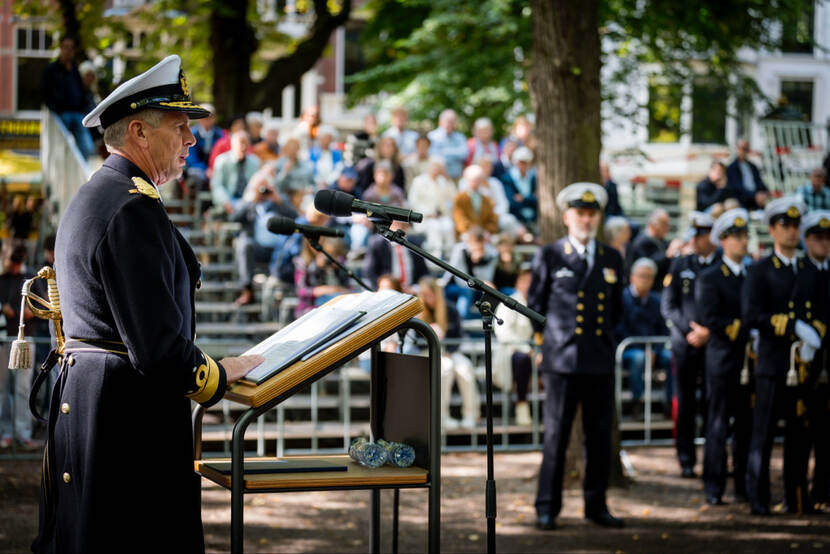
(118, 465)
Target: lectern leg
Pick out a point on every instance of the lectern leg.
(238, 480)
(374, 522)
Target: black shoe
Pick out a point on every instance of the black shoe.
(807, 509)
(688, 473)
(605, 519)
(714, 501)
(545, 522)
(757, 510)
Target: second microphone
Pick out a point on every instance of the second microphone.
(280, 225)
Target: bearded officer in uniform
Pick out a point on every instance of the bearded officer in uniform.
(118, 465)
(780, 300)
(577, 284)
(688, 335)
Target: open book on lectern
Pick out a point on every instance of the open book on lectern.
(318, 329)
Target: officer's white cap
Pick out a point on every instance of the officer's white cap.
(815, 221)
(701, 220)
(791, 207)
(162, 87)
(729, 221)
(582, 195)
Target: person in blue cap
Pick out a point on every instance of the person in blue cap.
(118, 471)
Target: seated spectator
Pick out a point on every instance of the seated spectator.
(613, 206)
(291, 250)
(316, 279)
(505, 161)
(19, 221)
(455, 366)
(404, 138)
(307, 127)
(346, 181)
(389, 282)
(714, 188)
(224, 144)
(481, 144)
(386, 151)
(416, 163)
(383, 257)
(521, 133)
(640, 318)
(431, 194)
(63, 92)
(323, 156)
(253, 121)
(291, 172)
(651, 243)
(511, 356)
(268, 149)
(475, 256)
(507, 267)
(745, 179)
(382, 190)
(232, 172)
(255, 243)
(493, 189)
(520, 187)
(816, 194)
(617, 234)
(207, 134)
(449, 144)
(471, 208)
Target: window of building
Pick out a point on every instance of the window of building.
(353, 61)
(799, 97)
(664, 112)
(797, 31)
(708, 112)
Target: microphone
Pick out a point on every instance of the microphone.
(280, 225)
(340, 204)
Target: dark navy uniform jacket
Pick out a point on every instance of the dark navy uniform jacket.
(718, 295)
(119, 474)
(678, 303)
(582, 308)
(773, 299)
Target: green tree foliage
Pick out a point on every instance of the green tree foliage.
(473, 56)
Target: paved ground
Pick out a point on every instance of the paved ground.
(664, 514)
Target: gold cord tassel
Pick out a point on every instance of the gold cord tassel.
(21, 353)
(792, 374)
(20, 356)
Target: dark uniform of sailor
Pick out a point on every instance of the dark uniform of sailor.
(776, 297)
(118, 471)
(679, 307)
(817, 225)
(582, 300)
(718, 295)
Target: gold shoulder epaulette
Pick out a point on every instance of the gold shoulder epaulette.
(145, 188)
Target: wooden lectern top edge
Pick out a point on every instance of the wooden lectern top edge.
(305, 371)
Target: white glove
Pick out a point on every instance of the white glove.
(809, 335)
(806, 352)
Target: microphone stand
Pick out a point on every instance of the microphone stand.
(314, 241)
(487, 304)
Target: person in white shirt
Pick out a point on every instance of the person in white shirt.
(432, 194)
(405, 138)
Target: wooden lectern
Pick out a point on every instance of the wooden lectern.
(405, 406)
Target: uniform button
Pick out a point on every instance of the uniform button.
(792, 315)
(580, 294)
(790, 304)
(67, 478)
(809, 315)
(579, 319)
(65, 407)
(601, 295)
(600, 319)
(578, 330)
(599, 332)
(600, 307)
(807, 304)
(580, 306)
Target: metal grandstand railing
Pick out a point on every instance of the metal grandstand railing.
(791, 150)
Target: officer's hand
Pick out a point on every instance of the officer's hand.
(238, 367)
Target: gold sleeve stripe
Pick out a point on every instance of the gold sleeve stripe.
(732, 329)
(779, 323)
(820, 327)
(207, 380)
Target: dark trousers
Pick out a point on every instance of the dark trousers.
(818, 411)
(521, 365)
(689, 375)
(774, 400)
(564, 392)
(726, 400)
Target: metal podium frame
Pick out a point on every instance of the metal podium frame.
(433, 483)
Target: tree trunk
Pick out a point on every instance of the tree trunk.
(565, 92)
(232, 43)
(289, 69)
